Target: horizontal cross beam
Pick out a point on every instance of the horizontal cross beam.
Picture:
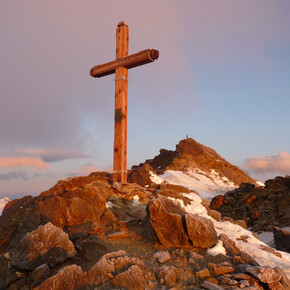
(130, 61)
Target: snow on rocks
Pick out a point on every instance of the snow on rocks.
(207, 185)
(245, 240)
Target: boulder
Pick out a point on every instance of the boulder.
(141, 175)
(168, 275)
(264, 274)
(130, 279)
(217, 202)
(203, 273)
(229, 245)
(282, 239)
(219, 269)
(210, 286)
(165, 215)
(214, 214)
(40, 273)
(285, 281)
(162, 256)
(47, 244)
(70, 277)
(201, 231)
(100, 272)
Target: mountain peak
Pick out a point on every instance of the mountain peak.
(198, 162)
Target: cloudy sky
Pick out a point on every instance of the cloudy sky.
(222, 78)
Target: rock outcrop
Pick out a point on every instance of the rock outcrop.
(48, 244)
(190, 156)
(261, 208)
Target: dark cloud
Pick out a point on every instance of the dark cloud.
(14, 175)
(54, 154)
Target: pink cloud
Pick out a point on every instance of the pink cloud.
(89, 168)
(263, 164)
(15, 162)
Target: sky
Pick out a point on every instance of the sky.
(222, 78)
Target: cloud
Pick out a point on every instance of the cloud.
(264, 164)
(14, 162)
(54, 154)
(14, 175)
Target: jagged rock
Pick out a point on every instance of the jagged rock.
(264, 274)
(217, 201)
(203, 273)
(285, 281)
(168, 275)
(210, 286)
(197, 260)
(201, 231)
(248, 259)
(276, 286)
(141, 175)
(244, 283)
(282, 239)
(100, 273)
(48, 244)
(218, 269)
(228, 281)
(162, 256)
(229, 245)
(11, 276)
(241, 276)
(165, 215)
(261, 207)
(40, 273)
(70, 277)
(130, 279)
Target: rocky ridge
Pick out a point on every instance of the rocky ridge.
(192, 157)
(87, 232)
(262, 208)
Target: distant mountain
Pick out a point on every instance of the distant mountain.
(3, 202)
(196, 166)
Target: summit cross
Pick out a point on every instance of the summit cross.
(120, 67)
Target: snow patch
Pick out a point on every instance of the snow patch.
(206, 184)
(109, 204)
(155, 178)
(217, 249)
(259, 183)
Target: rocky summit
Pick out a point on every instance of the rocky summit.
(193, 164)
(91, 233)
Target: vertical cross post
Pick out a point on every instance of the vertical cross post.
(120, 67)
(121, 106)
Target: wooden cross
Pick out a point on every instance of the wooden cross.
(120, 67)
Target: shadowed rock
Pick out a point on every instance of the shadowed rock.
(48, 244)
(70, 277)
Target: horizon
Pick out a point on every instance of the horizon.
(222, 78)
